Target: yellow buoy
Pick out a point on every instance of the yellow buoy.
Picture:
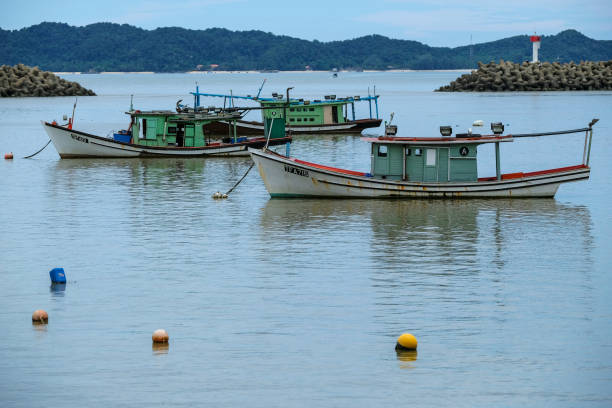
(40, 317)
(406, 342)
(160, 336)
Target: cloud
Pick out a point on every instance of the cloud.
(450, 20)
(155, 12)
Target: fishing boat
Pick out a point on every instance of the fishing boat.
(420, 167)
(161, 133)
(331, 114)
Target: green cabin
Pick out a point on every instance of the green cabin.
(183, 129)
(424, 162)
(301, 113)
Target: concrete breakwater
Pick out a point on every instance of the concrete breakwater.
(546, 76)
(21, 80)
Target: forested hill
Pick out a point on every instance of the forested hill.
(114, 47)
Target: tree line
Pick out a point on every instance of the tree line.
(122, 47)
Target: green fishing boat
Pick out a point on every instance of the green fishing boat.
(331, 114)
(162, 133)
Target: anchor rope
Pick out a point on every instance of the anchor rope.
(242, 178)
(250, 167)
(43, 148)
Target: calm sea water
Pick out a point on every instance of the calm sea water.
(299, 302)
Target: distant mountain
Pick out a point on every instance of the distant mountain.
(115, 47)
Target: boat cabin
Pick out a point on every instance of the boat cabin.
(168, 128)
(443, 160)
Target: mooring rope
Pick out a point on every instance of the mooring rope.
(43, 148)
(245, 174)
(218, 194)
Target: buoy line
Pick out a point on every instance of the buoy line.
(219, 194)
(43, 148)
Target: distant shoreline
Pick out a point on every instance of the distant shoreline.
(260, 72)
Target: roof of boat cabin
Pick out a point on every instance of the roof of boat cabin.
(294, 101)
(439, 140)
(188, 116)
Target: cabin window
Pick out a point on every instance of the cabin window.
(171, 129)
(292, 119)
(291, 109)
(382, 151)
(430, 158)
(418, 152)
(408, 152)
(312, 119)
(311, 109)
(299, 119)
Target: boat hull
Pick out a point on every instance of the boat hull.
(286, 177)
(71, 143)
(244, 128)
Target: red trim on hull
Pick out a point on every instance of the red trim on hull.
(510, 176)
(357, 126)
(337, 170)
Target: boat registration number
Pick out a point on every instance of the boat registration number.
(295, 170)
(79, 138)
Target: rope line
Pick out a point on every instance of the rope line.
(236, 185)
(43, 148)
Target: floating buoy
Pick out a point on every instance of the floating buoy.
(8, 156)
(160, 336)
(40, 317)
(57, 275)
(219, 195)
(406, 342)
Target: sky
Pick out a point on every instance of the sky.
(441, 23)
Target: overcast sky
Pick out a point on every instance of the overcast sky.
(433, 22)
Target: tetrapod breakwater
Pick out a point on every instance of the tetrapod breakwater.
(528, 76)
(21, 80)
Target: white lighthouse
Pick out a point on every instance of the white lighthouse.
(535, 40)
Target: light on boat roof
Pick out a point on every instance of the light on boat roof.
(497, 128)
(478, 123)
(357, 97)
(446, 130)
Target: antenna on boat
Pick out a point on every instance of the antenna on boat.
(260, 88)
(132, 103)
(72, 118)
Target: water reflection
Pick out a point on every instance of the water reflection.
(160, 348)
(456, 258)
(40, 327)
(406, 357)
(57, 289)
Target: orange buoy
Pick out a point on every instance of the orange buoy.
(160, 336)
(8, 156)
(40, 317)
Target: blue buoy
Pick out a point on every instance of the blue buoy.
(57, 275)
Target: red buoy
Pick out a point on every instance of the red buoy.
(8, 156)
